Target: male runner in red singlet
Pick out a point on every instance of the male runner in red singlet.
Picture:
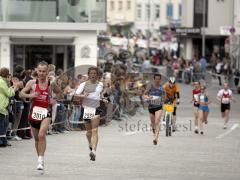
(39, 90)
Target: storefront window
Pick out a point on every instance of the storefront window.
(75, 11)
(63, 56)
(18, 58)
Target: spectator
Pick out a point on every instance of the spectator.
(5, 93)
(219, 69)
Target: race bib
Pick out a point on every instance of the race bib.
(196, 97)
(156, 100)
(225, 100)
(39, 113)
(89, 112)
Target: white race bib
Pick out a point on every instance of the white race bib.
(225, 100)
(196, 97)
(39, 113)
(89, 112)
(156, 100)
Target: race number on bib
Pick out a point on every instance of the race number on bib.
(89, 112)
(156, 100)
(225, 100)
(39, 113)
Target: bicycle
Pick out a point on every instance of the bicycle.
(168, 117)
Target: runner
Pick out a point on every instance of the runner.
(195, 97)
(173, 94)
(40, 90)
(90, 92)
(203, 109)
(156, 95)
(225, 97)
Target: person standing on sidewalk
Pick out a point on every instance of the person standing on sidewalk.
(5, 93)
(225, 97)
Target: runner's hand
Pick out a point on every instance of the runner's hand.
(33, 95)
(178, 101)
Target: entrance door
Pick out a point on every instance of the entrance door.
(37, 53)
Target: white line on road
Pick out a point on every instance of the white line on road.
(228, 132)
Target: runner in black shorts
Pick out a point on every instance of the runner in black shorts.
(155, 95)
(90, 92)
(40, 91)
(225, 97)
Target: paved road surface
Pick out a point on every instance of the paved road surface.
(126, 153)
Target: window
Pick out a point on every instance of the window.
(169, 10)
(128, 5)
(120, 5)
(139, 11)
(157, 11)
(148, 11)
(112, 5)
(198, 13)
(180, 10)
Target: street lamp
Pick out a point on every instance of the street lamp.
(203, 28)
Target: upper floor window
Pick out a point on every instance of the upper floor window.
(120, 5)
(157, 11)
(180, 10)
(139, 11)
(112, 6)
(148, 11)
(128, 5)
(169, 10)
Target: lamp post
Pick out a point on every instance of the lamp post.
(203, 28)
(148, 35)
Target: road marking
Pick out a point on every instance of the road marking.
(228, 132)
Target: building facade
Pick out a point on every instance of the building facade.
(62, 32)
(150, 15)
(216, 26)
(120, 15)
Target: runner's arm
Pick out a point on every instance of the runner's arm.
(219, 96)
(25, 92)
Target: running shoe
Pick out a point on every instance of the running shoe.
(155, 142)
(196, 131)
(224, 126)
(92, 156)
(16, 138)
(201, 133)
(40, 166)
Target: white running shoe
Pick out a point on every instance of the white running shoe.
(16, 138)
(40, 166)
(224, 126)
